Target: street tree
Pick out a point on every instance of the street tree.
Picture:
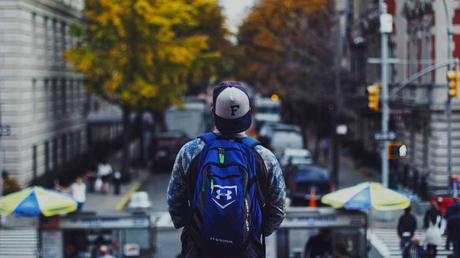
(138, 54)
(288, 48)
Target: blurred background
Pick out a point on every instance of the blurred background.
(343, 91)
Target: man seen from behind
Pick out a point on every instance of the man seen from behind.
(226, 190)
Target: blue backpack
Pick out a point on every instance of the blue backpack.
(227, 201)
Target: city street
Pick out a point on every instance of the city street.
(356, 104)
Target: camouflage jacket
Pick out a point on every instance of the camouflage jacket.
(177, 192)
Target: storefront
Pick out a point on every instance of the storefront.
(83, 235)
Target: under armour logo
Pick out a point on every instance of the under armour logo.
(223, 196)
(234, 108)
(228, 194)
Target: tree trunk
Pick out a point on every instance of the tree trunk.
(141, 128)
(159, 123)
(126, 144)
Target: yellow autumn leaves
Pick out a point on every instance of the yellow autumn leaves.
(139, 53)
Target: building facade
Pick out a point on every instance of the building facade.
(41, 100)
(418, 115)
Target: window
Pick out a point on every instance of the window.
(64, 149)
(47, 157)
(54, 155)
(71, 95)
(34, 99)
(63, 43)
(78, 142)
(54, 97)
(34, 32)
(47, 98)
(34, 162)
(55, 43)
(63, 96)
(46, 40)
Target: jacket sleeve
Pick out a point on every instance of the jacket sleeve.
(399, 229)
(177, 192)
(415, 224)
(275, 209)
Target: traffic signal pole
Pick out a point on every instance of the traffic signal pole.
(385, 106)
(449, 101)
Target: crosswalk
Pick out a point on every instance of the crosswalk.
(390, 239)
(18, 243)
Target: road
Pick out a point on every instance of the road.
(168, 241)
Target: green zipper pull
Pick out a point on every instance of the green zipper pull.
(221, 156)
(212, 184)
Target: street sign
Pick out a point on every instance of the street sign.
(386, 23)
(341, 129)
(385, 137)
(374, 60)
(5, 130)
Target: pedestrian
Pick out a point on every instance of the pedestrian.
(432, 224)
(104, 171)
(214, 193)
(116, 182)
(453, 229)
(413, 249)
(9, 184)
(319, 245)
(452, 207)
(324, 147)
(78, 192)
(451, 210)
(104, 252)
(90, 176)
(407, 225)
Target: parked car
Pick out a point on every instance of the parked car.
(296, 157)
(286, 136)
(139, 200)
(166, 145)
(304, 180)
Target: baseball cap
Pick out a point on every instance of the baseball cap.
(232, 110)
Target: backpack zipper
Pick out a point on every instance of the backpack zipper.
(221, 152)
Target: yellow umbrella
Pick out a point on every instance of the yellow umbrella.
(365, 196)
(33, 201)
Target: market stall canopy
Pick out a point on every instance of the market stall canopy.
(367, 196)
(36, 201)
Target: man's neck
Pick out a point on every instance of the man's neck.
(240, 134)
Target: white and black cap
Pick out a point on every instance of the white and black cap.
(232, 109)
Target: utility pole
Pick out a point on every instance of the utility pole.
(449, 101)
(386, 27)
(337, 95)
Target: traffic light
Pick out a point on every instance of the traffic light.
(373, 92)
(396, 150)
(275, 97)
(453, 81)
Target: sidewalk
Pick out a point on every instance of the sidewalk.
(100, 203)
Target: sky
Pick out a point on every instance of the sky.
(236, 11)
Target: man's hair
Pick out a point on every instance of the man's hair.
(407, 210)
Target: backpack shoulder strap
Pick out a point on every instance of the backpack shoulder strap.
(250, 142)
(208, 137)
